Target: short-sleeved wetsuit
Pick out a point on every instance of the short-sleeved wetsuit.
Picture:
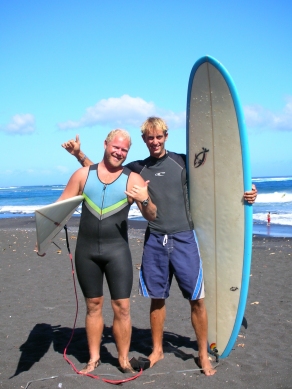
(102, 243)
(170, 246)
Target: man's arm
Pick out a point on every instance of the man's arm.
(75, 184)
(137, 190)
(73, 147)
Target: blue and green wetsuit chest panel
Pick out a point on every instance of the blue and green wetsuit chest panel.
(105, 200)
(105, 207)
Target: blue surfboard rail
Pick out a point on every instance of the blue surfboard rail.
(247, 181)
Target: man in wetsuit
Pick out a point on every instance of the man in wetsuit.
(102, 247)
(170, 245)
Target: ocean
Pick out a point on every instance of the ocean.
(20, 201)
(274, 196)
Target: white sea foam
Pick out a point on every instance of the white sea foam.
(9, 187)
(276, 197)
(25, 209)
(276, 218)
(269, 179)
(18, 209)
(134, 212)
(30, 209)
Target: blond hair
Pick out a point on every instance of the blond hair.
(118, 131)
(154, 122)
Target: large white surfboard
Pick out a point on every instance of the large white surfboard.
(219, 173)
(51, 218)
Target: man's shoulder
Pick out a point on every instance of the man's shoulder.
(135, 178)
(179, 158)
(137, 166)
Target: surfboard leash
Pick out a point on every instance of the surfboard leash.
(114, 382)
(213, 351)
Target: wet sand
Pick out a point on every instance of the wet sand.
(38, 310)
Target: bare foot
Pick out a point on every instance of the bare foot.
(206, 366)
(154, 357)
(125, 366)
(127, 369)
(91, 365)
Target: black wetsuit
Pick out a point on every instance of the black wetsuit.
(168, 191)
(102, 244)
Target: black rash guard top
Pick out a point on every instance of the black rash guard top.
(168, 190)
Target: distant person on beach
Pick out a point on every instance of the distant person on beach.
(102, 247)
(268, 219)
(170, 247)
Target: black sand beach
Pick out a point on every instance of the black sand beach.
(38, 310)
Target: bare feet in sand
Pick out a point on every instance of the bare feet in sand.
(154, 357)
(91, 365)
(206, 366)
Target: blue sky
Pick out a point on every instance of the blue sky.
(86, 67)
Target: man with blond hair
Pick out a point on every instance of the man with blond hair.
(170, 247)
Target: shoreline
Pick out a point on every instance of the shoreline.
(28, 222)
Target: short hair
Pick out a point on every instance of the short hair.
(156, 122)
(118, 131)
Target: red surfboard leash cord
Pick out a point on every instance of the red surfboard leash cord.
(114, 382)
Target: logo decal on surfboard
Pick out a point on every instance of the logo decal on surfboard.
(200, 158)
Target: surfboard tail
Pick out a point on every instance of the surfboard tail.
(51, 219)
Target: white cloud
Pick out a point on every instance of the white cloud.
(257, 116)
(21, 124)
(123, 111)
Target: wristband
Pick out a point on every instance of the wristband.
(82, 159)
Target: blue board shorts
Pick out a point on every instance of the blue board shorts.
(165, 256)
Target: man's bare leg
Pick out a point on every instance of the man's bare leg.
(94, 328)
(122, 330)
(200, 324)
(157, 318)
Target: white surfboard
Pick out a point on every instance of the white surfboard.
(52, 218)
(219, 173)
